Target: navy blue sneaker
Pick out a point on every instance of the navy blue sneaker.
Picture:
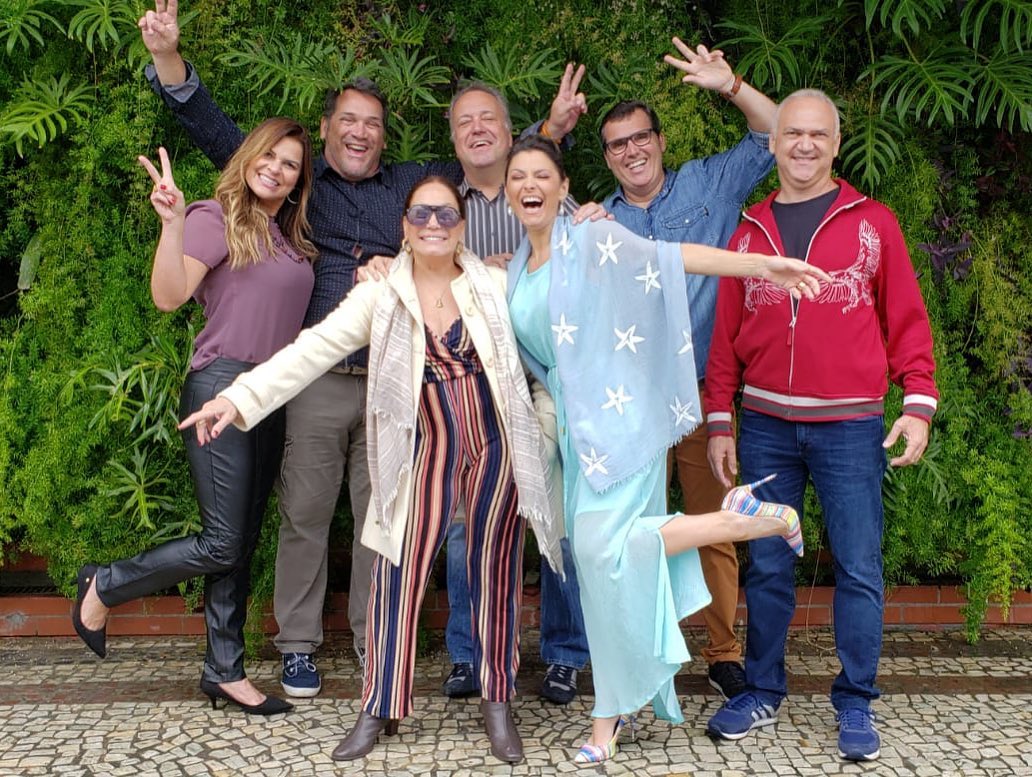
(740, 715)
(300, 675)
(462, 682)
(858, 739)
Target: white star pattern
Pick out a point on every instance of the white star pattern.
(563, 331)
(594, 463)
(608, 250)
(617, 399)
(650, 278)
(628, 339)
(681, 412)
(687, 342)
(565, 243)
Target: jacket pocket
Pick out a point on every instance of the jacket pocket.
(685, 217)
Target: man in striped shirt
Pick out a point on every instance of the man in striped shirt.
(482, 134)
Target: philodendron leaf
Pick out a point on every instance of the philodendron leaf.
(30, 262)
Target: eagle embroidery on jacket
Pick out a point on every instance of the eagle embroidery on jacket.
(851, 285)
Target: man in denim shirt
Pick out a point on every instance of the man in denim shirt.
(699, 203)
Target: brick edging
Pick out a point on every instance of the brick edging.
(927, 607)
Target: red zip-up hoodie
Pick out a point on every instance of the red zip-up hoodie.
(825, 359)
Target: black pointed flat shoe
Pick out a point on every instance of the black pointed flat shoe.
(96, 640)
(271, 705)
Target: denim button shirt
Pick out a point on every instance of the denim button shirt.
(700, 203)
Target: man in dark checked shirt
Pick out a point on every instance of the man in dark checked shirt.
(355, 212)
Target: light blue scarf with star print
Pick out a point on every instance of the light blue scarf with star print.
(618, 306)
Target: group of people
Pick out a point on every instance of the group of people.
(475, 354)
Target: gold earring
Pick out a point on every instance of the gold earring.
(406, 246)
(459, 249)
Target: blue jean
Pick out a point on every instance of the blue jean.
(846, 463)
(563, 640)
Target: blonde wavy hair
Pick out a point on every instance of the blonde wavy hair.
(247, 225)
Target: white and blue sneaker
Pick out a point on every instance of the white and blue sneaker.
(300, 676)
(740, 715)
(858, 739)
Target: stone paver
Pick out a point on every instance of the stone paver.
(948, 709)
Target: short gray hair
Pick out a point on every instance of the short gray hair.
(479, 86)
(816, 94)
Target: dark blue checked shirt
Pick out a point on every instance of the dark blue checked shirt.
(351, 221)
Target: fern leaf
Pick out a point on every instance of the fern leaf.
(872, 148)
(939, 83)
(918, 15)
(409, 80)
(513, 74)
(1005, 81)
(409, 142)
(102, 22)
(42, 110)
(21, 22)
(767, 61)
(298, 68)
(610, 84)
(1015, 22)
(411, 32)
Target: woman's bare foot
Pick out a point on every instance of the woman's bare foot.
(244, 692)
(94, 613)
(602, 730)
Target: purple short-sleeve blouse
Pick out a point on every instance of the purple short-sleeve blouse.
(252, 311)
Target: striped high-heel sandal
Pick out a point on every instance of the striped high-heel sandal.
(741, 500)
(592, 754)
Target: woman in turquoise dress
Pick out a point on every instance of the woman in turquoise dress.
(601, 316)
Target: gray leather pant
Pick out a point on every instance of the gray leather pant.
(232, 478)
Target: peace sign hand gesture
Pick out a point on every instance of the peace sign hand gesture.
(704, 68)
(166, 198)
(160, 28)
(568, 105)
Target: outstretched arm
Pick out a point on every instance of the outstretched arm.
(709, 70)
(798, 278)
(211, 130)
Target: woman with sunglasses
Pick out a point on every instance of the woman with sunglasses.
(450, 418)
(601, 316)
(244, 256)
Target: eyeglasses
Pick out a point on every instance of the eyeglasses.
(639, 138)
(419, 215)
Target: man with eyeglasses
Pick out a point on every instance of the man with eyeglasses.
(355, 211)
(698, 203)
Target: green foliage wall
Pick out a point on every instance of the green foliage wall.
(90, 464)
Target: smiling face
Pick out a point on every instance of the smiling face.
(804, 145)
(535, 189)
(639, 169)
(479, 132)
(272, 176)
(354, 135)
(431, 240)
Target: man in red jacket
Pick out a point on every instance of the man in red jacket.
(814, 377)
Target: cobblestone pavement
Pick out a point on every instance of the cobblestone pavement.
(948, 708)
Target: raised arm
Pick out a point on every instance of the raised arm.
(798, 278)
(709, 70)
(211, 130)
(174, 276)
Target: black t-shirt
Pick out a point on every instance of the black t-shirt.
(797, 221)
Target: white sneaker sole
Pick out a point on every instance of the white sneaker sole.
(301, 693)
(860, 758)
(735, 737)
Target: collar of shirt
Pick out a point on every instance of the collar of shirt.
(323, 169)
(619, 196)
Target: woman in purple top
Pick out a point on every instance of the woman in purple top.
(244, 256)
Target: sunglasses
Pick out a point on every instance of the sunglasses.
(419, 215)
(618, 146)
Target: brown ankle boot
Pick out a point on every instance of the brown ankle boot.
(363, 736)
(506, 744)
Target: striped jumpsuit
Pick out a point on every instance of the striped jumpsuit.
(461, 453)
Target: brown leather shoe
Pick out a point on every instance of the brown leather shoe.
(506, 744)
(363, 736)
